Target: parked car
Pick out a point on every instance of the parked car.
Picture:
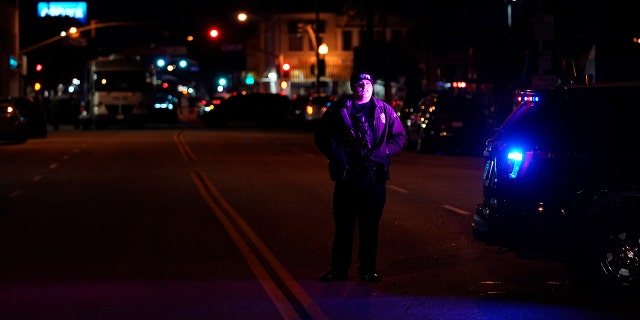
(308, 109)
(561, 181)
(297, 110)
(316, 106)
(13, 126)
(444, 123)
(262, 109)
(33, 113)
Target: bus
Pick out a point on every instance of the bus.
(121, 91)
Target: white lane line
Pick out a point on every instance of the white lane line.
(398, 189)
(456, 210)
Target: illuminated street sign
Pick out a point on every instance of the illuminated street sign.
(77, 10)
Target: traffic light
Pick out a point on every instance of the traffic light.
(222, 84)
(249, 79)
(37, 86)
(13, 63)
(214, 33)
(286, 69)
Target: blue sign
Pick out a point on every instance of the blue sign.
(77, 10)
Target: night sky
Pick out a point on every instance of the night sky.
(178, 17)
(446, 25)
(198, 12)
(187, 15)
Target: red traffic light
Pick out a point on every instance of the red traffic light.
(38, 67)
(214, 33)
(286, 68)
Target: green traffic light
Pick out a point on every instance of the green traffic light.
(249, 79)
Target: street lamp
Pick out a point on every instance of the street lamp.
(323, 49)
(73, 33)
(261, 56)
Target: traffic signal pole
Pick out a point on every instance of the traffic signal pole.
(317, 46)
(92, 26)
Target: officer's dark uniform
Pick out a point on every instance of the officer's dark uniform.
(359, 164)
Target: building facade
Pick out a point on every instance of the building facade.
(294, 39)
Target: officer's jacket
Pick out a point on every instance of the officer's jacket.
(332, 135)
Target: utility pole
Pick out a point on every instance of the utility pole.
(91, 27)
(315, 31)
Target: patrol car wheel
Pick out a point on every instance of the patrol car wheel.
(610, 252)
(619, 258)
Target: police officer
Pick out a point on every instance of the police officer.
(358, 134)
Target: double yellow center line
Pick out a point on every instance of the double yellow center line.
(289, 298)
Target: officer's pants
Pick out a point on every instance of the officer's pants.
(357, 200)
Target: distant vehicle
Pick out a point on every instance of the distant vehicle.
(404, 109)
(66, 110)
(316, 106)
(121, 91)
(562, 182)
(262, 109)
(35, 115)
(307, 110)
(210, 112)
(165, 108)
(443, 123)
(13, 127)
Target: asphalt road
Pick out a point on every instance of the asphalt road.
(184, 222)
